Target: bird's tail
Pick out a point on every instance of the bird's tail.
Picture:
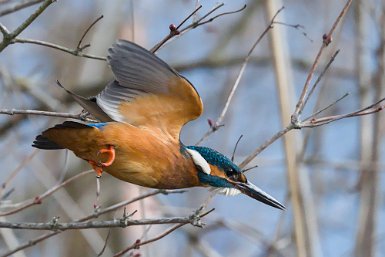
(46, 143)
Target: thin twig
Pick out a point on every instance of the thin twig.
(295, 122)
(138, 243)
(327, 39)
(74, 52)
(235, 147)
(81, 48)
(373, 108)
(15, 171)
(105, 243)
(320, 77)
(174, 31)
(297, 27)
(91, 216)
(238, 79)
(39, 199)
(327, 107)
(19, 6)
(45, 113)
(262, 147)
(8, 37)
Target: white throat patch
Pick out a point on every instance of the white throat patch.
(199, 161)
(226, 191)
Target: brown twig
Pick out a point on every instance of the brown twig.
(138, 243)
(311, 91)
(219, 121)
(327, 107)
(327, 39)
(373, 108)
(78, 51)
(105, 243)
(45, 113)
(174, 30)
(19, 6)
(295, 122)
(8, 37)
(91, 216)
(235, 147)
(81, 48)
(15, 171)
(262, 147)
(39, 199)
(74, 52)
(296, 27)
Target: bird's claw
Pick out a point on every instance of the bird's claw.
(98, 166)
(110, 150)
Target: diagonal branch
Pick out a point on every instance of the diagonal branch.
(327, 39)
(8, 37)
(19, 6)
(214, 127)
(91, 216)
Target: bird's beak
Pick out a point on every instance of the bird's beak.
(258, 194)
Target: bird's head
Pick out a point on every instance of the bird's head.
(219, 172)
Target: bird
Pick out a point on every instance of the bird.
(140, 115)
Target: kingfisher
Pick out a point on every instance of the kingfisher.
(137, 139)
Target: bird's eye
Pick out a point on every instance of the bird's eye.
(239, 177)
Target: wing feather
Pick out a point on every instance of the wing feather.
(147, 92)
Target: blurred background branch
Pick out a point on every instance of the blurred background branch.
(335, 173)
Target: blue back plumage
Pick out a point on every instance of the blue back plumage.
(97, 125)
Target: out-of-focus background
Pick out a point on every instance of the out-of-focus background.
(338, 168)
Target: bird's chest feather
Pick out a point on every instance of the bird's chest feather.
(149, 159)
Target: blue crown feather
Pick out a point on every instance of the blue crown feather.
(217, 159)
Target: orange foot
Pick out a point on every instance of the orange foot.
(98, 166)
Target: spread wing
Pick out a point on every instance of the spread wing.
(147, 92)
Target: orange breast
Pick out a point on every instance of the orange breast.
(148, 158)
(145, 157)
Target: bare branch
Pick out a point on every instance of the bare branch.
(91, 216)
(174, 31)
(235, 86)
(45, 113)
(327, 39)
(137, 244)
(235, 147)
(327, 107)
(13, 174)
(295, 122)
(19, 6)
(39, 199)
(373, 108)
(264, 146)
(8, 37)
(85, 33)
(320, 77)
(74, 52)
(116, 223)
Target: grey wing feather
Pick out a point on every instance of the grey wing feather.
(137, 72)
(136, 67)
(89, 106)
